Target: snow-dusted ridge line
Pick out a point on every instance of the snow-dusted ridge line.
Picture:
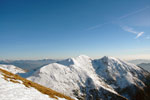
(12, 68)
(119, 71)
(13, 87)
(72, 74)
(85, 78)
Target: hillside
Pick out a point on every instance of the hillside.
(14, 87)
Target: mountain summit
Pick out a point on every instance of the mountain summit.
(90, 79)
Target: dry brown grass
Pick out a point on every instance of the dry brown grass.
(14, 81)
(53, 94)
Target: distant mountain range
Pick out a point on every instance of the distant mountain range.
(146, 66)
(142, 63)
(139, 61)
(35, 64)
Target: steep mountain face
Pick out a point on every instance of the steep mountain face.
(127, 79)
(14, 87)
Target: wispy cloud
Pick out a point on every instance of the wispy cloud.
(128, 29)
(131, 30)
(139, 34)
(119, 18)
(97, 26)
(124, 27)
(133, 13)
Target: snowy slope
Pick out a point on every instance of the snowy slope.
(12, 69)
(127, 79)
(12, 88)
(15, 91)
(74, 77)
(118, 73)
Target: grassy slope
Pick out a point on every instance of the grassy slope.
(13, 78)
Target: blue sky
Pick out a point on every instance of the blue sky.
(36, 29)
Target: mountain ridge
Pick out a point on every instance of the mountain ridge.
(94, 79)
(79, 73)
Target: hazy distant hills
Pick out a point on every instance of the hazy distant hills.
(35, 64)
(28, 64)
(142, 63)
(146, 66)
(139, 61)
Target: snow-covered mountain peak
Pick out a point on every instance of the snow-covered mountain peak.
(82, 59)
(118, 63)
(79, 75)
(118, 73)
(108, 59)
